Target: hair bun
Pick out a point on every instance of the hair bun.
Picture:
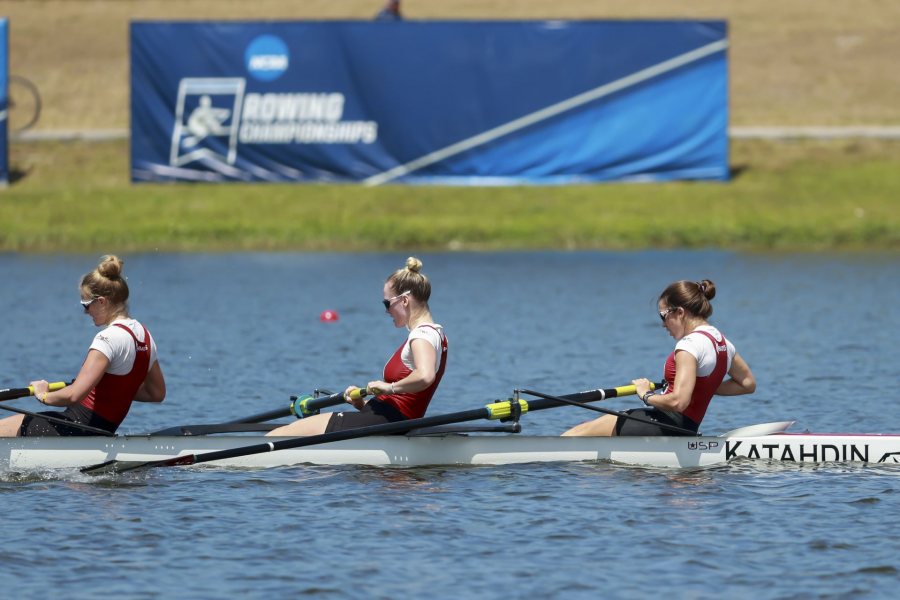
(110, 266)
(413, 264)
(707, 288)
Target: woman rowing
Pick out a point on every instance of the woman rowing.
(694, 371)
(412, 374)
(120, 366)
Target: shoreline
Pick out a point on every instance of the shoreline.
(807, 196)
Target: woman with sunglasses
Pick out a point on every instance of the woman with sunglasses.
(412, 374)
(120, 366)
(694, 372)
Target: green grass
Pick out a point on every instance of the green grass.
(75, 197)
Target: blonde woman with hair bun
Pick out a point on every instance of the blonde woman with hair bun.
(121, 366)
(411, 375)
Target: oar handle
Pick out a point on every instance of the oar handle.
(13, 393)
(603, 394)
(306, 406)
(627, 390)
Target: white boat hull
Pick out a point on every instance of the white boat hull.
(766, 442)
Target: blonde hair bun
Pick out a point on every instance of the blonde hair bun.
(110, 266)
(413, 264)
(410, 279)
(107, 281)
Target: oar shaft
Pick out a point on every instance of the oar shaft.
(308, 406)
(300, 407)
(582, 397)
(66, 422)
(325, 438)
(13, 393)
(497, 410)
(262, 417)
(558, 399)
(500, 409)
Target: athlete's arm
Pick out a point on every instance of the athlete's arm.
(685, 380)
(89, 376)
(154, 387)
(423, 375)
(740, 379)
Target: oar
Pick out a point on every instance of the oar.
(673, 428)
(501, 409)
(13, 393)
(595, 395)
(53, 419)
(302, 406)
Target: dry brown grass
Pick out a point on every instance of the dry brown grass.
(793, 62)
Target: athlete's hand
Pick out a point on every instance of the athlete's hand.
(641, 386)
(357, 401)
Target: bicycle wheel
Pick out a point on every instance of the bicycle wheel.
(24, 104)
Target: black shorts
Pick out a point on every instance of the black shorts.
(374, 412)
(631, 427)
(38, 427)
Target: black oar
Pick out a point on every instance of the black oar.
(501, 409)
(673, 428)
(13, 393)
(53, 419)
(263, 417)
(300, 407)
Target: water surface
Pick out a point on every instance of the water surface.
(240, 333)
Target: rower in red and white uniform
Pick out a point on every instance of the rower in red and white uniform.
(412, 374)
(121, 366)
(695, 371)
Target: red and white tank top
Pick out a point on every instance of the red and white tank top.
(414, 404)
(113, 395)
(706, 385)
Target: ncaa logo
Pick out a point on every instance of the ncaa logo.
(266, 58)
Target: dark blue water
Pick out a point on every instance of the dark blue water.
(238, 334)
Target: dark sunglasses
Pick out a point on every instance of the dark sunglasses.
(85, 304)
(387, 303)
(665, 313)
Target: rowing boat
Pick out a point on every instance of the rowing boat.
(769, 441)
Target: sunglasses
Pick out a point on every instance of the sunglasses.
(387, 303)
(85, 304)
(665, 313)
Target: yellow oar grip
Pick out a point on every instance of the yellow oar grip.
(503, 409)
(627, 390)
(359, 393)
(58, 385)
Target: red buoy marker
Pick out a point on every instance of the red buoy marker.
(328, 316)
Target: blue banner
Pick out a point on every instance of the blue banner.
(472, 103)
(4, 102)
